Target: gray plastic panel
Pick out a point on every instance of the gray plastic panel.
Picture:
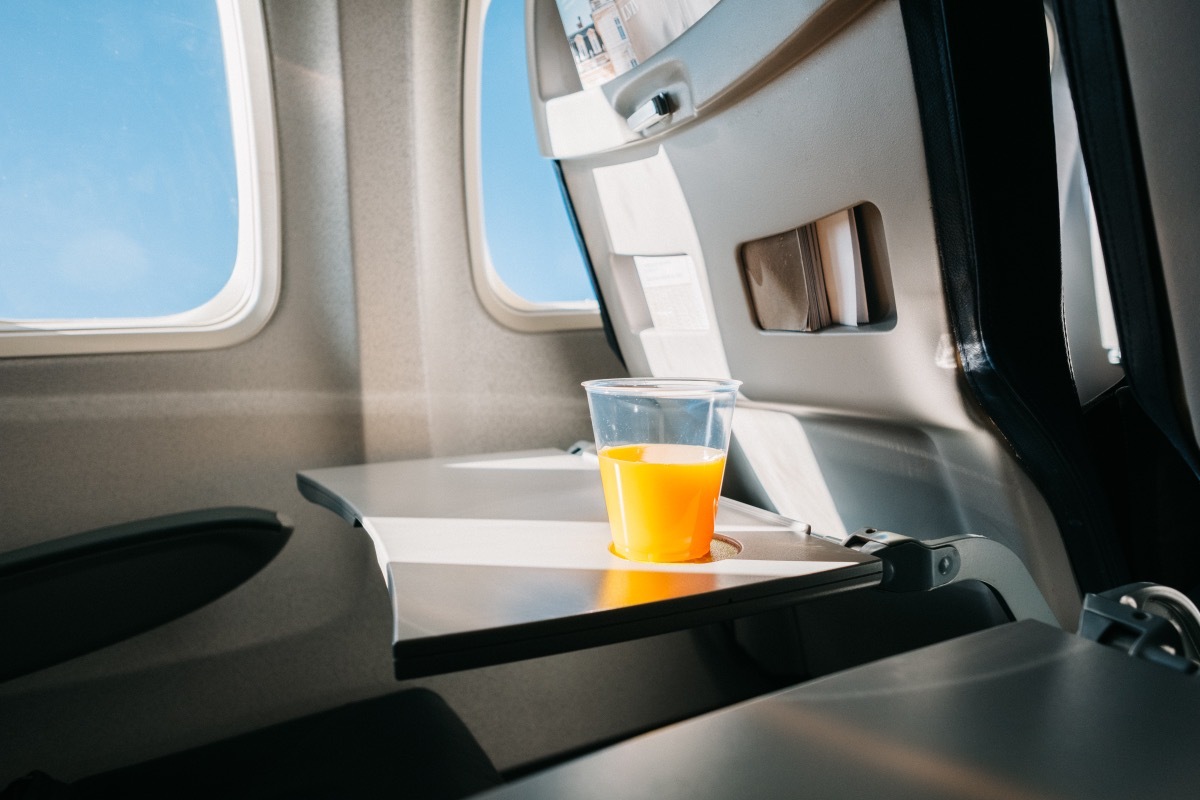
(834, 127)
(1016, 711)
(1164, 73)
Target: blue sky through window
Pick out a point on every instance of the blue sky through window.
(118, 187)
(529, 235)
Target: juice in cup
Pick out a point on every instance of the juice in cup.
(661, 499)
(662, 445)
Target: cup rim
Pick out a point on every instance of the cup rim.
(662, 387)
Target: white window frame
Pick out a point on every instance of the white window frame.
(505, 305)
(243, 306)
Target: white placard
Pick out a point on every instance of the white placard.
(644, 207)
(672, 290)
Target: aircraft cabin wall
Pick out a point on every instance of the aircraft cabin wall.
(378, 349)
(864, 424)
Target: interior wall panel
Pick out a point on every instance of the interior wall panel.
(89, 441)
(378, 349)
(428, 344)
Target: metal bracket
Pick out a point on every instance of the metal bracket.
(910, 565)
(1154, 623)
(651, 112)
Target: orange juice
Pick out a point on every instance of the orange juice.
(661, 499)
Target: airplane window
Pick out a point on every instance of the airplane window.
(530, 239)
(127, 203)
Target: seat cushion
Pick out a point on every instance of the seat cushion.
(404, 745)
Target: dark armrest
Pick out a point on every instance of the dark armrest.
(67, 597)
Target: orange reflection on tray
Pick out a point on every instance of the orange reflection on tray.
(631, 587)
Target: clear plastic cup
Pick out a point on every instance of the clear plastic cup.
(662, 444)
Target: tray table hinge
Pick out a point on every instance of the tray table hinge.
(912, 565)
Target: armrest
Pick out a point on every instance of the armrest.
(66, 597)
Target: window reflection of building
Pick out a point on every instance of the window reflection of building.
(607, 19)
(620, 34)
(653, 26)
(583, 50)
(591, 58)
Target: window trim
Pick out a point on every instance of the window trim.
(243, 306)
(505, 305)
